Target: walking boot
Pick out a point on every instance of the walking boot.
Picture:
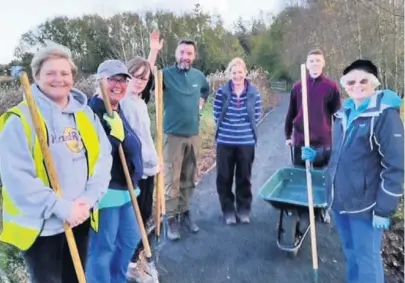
(189, 223)
(173, 232)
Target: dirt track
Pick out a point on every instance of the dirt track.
(248, 253)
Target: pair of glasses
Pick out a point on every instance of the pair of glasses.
(117, 80)
(353, 82)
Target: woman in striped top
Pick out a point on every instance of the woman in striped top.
(237, 110)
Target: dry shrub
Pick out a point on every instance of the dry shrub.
(9, 97)
(393, 247)
(87, 85)
(12, 95)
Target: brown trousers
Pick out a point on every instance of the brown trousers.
(180, 156)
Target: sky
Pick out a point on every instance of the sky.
(15, 20)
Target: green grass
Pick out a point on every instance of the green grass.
(207, 127)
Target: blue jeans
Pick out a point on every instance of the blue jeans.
(361, 244)
(111, 249)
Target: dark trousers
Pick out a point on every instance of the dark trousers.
(49, 259)
(145, 201)
(235, 161)
(145, 198)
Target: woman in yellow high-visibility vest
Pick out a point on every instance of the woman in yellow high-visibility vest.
(33, 215)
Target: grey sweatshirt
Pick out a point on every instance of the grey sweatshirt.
(37, 202)
(136, 112)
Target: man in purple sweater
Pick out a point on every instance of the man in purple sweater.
(323, 101)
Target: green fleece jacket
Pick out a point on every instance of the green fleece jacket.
(182, 91)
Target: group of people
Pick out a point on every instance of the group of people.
(84, 140)
(363, 153)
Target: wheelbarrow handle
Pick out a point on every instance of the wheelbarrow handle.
(291, 154)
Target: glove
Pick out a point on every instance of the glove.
(308, 153)
(116, 126)
(381, 223)
(137, 191)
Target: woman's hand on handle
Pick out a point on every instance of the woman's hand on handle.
(80, 213)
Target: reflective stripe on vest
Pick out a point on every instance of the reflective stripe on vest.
(24, 235)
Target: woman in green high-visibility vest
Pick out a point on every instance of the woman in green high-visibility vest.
(33, 215)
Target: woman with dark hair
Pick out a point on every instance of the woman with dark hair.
(135, 108)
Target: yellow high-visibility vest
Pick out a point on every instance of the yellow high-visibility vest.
(15, 233)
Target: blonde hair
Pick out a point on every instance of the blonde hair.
(52, 50)
(237, 61)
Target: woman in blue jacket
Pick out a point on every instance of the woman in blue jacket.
(112, 246)
(365, 171)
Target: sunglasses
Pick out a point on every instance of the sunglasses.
(353, 82)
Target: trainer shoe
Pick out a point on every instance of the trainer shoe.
(136, 273)
(142, 271)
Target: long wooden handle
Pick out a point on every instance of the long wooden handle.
(106, 99)
(158, 199)
(160, 177)
(308, 166)
(50, 168)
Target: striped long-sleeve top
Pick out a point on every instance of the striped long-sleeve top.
(236, 126)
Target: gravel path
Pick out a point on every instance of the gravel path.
(248, 253)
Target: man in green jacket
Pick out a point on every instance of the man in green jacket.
(185, 90)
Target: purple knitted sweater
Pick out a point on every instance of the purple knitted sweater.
(323, 101)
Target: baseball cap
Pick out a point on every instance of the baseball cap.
(111, 68)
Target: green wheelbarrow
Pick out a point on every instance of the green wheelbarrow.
(286, 191)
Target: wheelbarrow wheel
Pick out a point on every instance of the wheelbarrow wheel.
(289, 224)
